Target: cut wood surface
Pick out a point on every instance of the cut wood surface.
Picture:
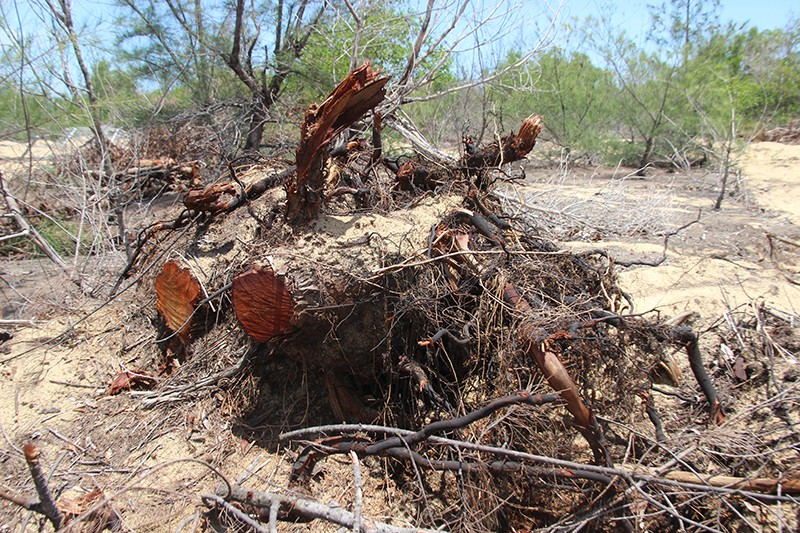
(263, 304)
(177, 293)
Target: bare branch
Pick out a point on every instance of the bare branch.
(312, 509)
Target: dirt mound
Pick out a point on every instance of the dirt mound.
(435, 362)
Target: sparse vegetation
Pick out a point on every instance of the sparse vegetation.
(229, 308)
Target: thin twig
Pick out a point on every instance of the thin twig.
(357, 492)
(233, 511)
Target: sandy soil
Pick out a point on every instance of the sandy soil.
(54, 373)
(728, 258)
(772, 171)
(731, 257)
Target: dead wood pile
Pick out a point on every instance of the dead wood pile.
(789, 134)
(506, 378)
(165, 157)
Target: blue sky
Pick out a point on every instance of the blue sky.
(767, 14)
(97, 17)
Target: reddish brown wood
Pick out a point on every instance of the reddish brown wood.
(208, 199)
(359, 92)
(263, 304)
(542, 351)
(512, 147)
(177, 294)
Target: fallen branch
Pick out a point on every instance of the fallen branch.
(357, 492)
(213, 499)
(766, 489)
(310, 509)
(29, 231)
(784, 240)
(763, 485)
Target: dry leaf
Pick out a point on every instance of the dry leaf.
(76, 506)
(177, 293)
(131, 379)
(101, 519)
(263, 304)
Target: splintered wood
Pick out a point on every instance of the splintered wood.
(359, 92)
(177, 294)
(512, 147)
(263, 304)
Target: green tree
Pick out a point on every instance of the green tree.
(258, 44)
(570, 93)
(643, 92)
(736, 82)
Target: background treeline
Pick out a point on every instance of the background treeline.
(686, 89)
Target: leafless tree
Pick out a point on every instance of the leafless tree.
(463, 32)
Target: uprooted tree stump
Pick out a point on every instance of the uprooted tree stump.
(407, 297)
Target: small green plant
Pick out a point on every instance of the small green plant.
(60, 233)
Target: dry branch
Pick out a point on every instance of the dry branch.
(440, 426)
(31, 233)
(781, 489)
(208, 199)
(400, 446)
(309, 509)
(213, 499)
(781, 485)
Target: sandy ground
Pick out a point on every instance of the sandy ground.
(54, 373)
(772, 172)
(731, 257)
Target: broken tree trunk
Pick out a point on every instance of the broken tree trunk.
(358, 93)
(435, 168)
(511, 148)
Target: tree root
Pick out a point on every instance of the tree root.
(685, 337)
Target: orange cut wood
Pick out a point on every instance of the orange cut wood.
(263, 304)
(177, 293)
